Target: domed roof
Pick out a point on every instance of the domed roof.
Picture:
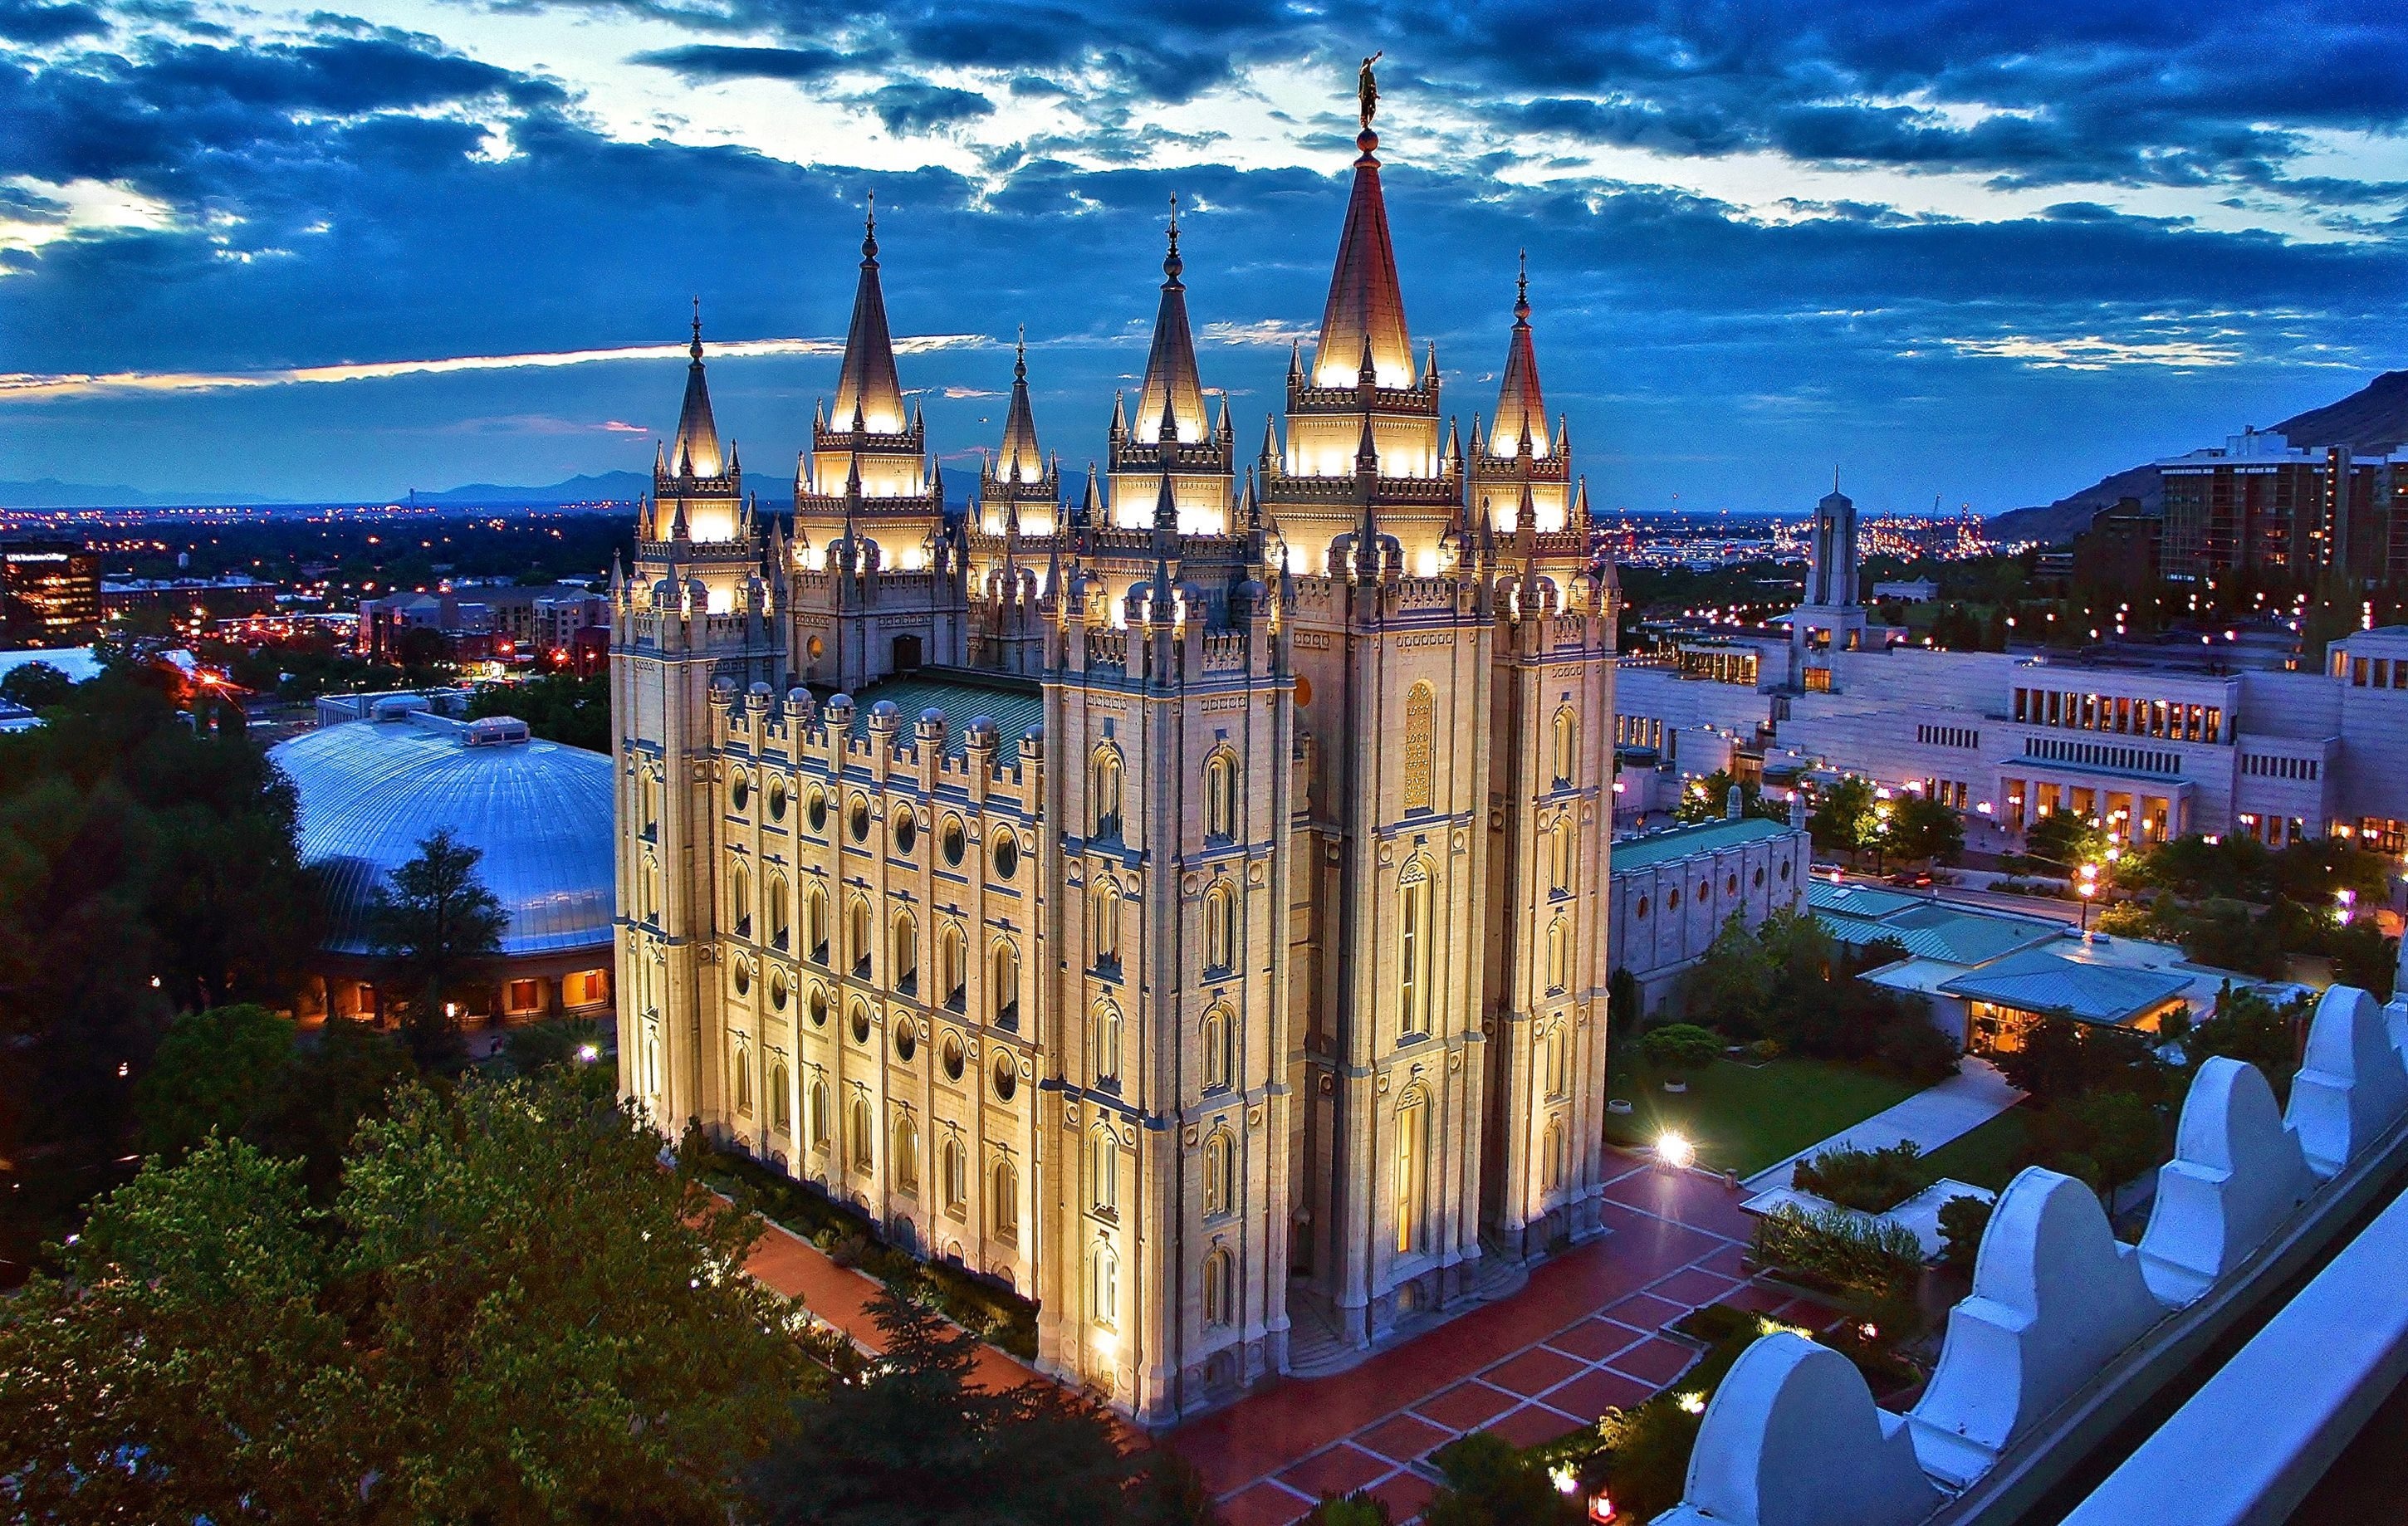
(542, 813)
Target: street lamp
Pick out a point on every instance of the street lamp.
(2345, 901)
(2086, 889)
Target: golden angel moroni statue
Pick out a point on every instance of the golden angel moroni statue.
(1367, 89)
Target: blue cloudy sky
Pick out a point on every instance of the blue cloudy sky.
(1973, 248)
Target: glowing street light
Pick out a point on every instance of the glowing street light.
(1673, 1149)
(2087, 888)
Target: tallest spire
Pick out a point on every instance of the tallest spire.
(867, 387)
(1366, 307)
(1020, 459)
(695, 451)
(1171, 380)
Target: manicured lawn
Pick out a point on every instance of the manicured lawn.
(1988, 1157)
(1743, 1117)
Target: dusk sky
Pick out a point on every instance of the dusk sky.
(1986, 251)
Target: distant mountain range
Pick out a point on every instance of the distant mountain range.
(50, 492)
(597, 487)
(2372, 420)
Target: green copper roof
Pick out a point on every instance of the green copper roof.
(1681, 842)
(1015, 705)
(2037, 980)
(1929, 928)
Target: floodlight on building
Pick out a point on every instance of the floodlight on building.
(1673, 1149)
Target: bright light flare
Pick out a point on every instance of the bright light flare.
(1674, 1149)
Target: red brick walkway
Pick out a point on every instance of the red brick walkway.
(1583, 1335)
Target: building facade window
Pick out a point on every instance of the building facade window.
(1003, 974)
(864, 1131)
(1566, 747)
(1104, 1285)
(905, 958)
(1104, 1172)
(1219, 929)
(1408, 1186)
(1104, 794)
(1220, 1289)
(1003, 1210)
(1414, 938)
(1104, 1043)
(955, 1170)
(1106, 900)
(1220, 1173)
(1220, 1047)
(1421, 748)
(952, 967)
(904, 1164)
(740, 899)
(856, 933)
(781, 1103)
(1221, 794)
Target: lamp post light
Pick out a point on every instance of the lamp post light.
(2087, 888)
(2345, 901)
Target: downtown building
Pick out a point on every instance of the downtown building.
(1178, 895)
(2150, 752)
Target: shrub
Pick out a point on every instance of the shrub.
(1910, 1045)
(1360, 1508)
(1870, 1180)
(1962, 1219)
(1682, 1047)
(1837, 1249)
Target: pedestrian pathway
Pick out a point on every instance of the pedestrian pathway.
(1585, 1335)
(1931, 1117)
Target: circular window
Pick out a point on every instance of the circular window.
(1007, 855)
(1007, 1079)
(777, 799)
(817, 648)
(818, 1007)
(907, 831)
(740, 974)
(956, 841)
(907, 1041)
(1643, 908)
(951, 1053)
(1785, 868)
(856, 820)
(1303, 690)
(739, 790)
(860, 1023)
(815, 807)
(1759, 881)
(778, 990)
(1730, 886)
(1673, 899)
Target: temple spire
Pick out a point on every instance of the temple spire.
(1366, 312)
(1020, 460)
(1172, 389)
(697, 447)
(866, 390)
(1521, 410)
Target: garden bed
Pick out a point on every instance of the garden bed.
(1744, 1118)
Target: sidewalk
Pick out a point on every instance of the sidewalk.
(1931, 1117)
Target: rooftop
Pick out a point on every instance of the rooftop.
(1016, 706)
(2042, 980)
(1676, 843)
(1928, 927)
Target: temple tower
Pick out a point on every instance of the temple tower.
(1169, 435)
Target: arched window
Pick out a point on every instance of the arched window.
(818, 1115)
(1559, 857)
(1104, 1042)
(1106, 901)
(1220, 1047)
(1003, 974)
(1414, 936)
(865, 1134)
(1566, 747)
(1104, 1285)
(856, 933)
(782, 921)
(904, 960)
(1104, 793)
(1003, 1199)
(1221, 794)
(650, 890)
(1421, 748)
(1219, 928)
(1104, 1170)
(649, 788)
(1408, 1186)
(953, 1165)
(1220, 1288)
(1551, 1157)
(782, 1105)
(815, 924)
(1559, 953)
(953, 969)
(743, 1081)
(739, 898)
(1553, 1056)
(904, 1160)
(1220, 1172)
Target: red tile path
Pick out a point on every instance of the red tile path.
(1580, 1338)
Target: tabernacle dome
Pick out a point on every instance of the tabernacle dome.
(372, 788)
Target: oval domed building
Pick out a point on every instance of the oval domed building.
(386, 771)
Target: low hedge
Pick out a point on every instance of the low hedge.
(1834, 1248)
(979, 1304)
(1869, 1180)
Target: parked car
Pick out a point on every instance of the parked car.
(1913, 880)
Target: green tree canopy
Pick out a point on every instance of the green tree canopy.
(440, 929)
(2062, 842)
(557, 707)
(1682, 1047)
(1732, 984)
(1842, 813)
(512, 1313)
(36, 686)
(1922, 828)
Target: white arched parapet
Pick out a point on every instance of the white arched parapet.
(1793, 1438)
(2055, 1296)
(2350, 1087)
(2236, 1172)
(2395, 1019)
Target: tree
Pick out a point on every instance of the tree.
(2104, 1138)
(440, 928)
(216, 1071)
(2063, 842)
(512, 1313)
(915, 1443)
(1489, 1484)
(1922, 828)
(2247, 1027)
(1841, 813)
(1683, 1048)
(2060, 1059)
(1731, 986)
(36, 686)
(1708, 799)
(557, 707)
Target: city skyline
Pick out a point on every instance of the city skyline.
(1989, 260)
